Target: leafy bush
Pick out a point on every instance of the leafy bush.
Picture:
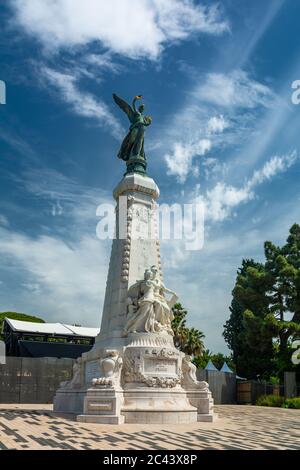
(270, 400)
(274, 380)
(280, 402)
(292, 403)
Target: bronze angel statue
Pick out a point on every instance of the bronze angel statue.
(133, 144)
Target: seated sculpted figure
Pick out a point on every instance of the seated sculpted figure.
(189, 377)
(75, 382)
(141, 309)
(148, 309)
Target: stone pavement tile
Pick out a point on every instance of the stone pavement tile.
(239, 427)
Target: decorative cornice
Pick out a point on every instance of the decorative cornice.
(137, 183)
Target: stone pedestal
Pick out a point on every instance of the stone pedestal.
(134, 374)
(203, 401)
(102, 406)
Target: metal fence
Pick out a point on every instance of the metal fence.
(249, 391)
(221, 384)
(35, 380)
(32, 380)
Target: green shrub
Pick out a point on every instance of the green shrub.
(292, 403)
(280, 402)
(270, 400)
(274, 380)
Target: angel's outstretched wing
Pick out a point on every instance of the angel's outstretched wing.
(124, 106)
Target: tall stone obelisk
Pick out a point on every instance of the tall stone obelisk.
(133, 373)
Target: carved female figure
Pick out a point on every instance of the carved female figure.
(149, 310)
(163, 307)
(142, 318)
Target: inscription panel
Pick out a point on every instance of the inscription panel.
(103, 406)
(92, 371)
(160, 366)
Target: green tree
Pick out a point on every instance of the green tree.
(179, 325)
(283, 265)
(234, 329)
(265, 310)
(243, 332)
(188, 340)
(217, 359)
(193, 345)
(202, 361)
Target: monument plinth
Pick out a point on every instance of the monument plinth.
(133, 373)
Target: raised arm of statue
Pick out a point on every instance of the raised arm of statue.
(135, 99)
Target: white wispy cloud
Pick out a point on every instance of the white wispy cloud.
(217, 124)
(65, 266)
(234, 89)
(17, 142)
(276, 164)
(75, 203)
(57, 209)
(181, 160)
(67, 281)
(133, 28)
(221, 203)
(4, 220)
(103, 62)
(223, 199)
(82, 103)
(221, 109)
(214, 169)
(34, 288)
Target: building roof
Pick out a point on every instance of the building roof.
(51, 328)
(210, 366)
(226, 368)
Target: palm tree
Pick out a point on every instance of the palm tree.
(178, 325)
(193, 345)
(188, 340)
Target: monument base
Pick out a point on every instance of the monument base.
(157, 406)
(136, 384)
(69, 401)
(207, 418)
(160, 417)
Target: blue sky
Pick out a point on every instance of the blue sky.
(216, 79)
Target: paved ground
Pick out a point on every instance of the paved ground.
(238, 427)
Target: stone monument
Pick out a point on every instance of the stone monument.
(133, 373)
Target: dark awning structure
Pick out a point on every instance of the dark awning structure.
(28, 339)
(44, 349)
